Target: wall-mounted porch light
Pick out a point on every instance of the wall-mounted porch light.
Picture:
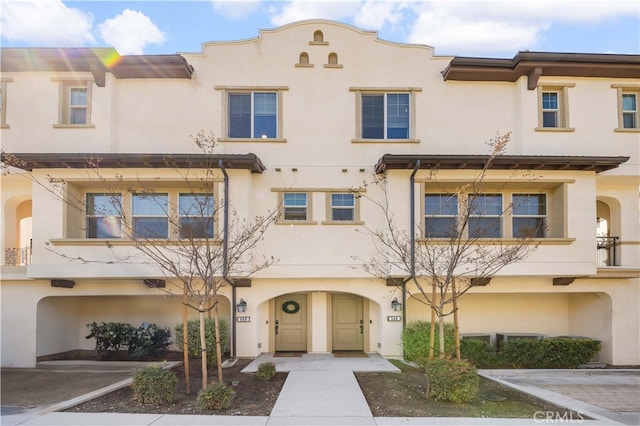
(395, 305)
(242, 306)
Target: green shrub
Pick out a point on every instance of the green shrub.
(549, 353)
(452, 380)
(110, 336)
(266, 371)
(480, 353)
(193, 338)
(415, 341)
(215, 397)
(149, 341)
(154, 385)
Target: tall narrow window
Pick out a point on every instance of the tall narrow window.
(342, 207)
(441, 211)
(385, 116)
(253, 115)
(78, 105)
(3, 101)
(295, 206)
(150, 215)
(629, 110)
(529, 215)
(550, 109)
(196, 215)
(485, 212)
(103, 218)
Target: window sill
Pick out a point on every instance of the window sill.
(304, 65)
(73, 126)
(555, 129)
(343, 222)
(627, 130)
(492, 241)
(120, 241)
(333, 65)
(296, 222)
(5, 126)
(360, 140)
(253, 140)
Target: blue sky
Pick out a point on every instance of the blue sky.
(453, 27)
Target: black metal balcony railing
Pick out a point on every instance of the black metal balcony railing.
(607, 251)
(17, 256)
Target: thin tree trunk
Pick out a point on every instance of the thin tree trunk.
(432, 336)
(456, 329)
(203, 345)
(216, 319)
(441, 336)
(185, 342)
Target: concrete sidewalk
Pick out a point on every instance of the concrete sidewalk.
(322, 390)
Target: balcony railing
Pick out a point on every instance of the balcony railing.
(607, 251)
(17, 256)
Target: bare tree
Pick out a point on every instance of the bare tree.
(180, 238)
(458, 245)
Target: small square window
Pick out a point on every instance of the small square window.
(196, 215)
(342, 207)
(150, 215)
(295, 206)
(103, 219)
(385, 116)
(441, 212)
(74, 104)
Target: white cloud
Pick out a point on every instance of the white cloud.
(130, 32)
(291, 11)
(374, 14)
(235, 10)
(503, 26)
(45, 23)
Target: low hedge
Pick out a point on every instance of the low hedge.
(555, 352)
(452, 380)
(549, 353)
(415, 341)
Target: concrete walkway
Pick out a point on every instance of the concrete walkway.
(322, 390)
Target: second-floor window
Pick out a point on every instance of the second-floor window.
(485, 212)
(74, 104)
(385, 116)
(253, 115)
(629, 110)
(343, 207)
(103, 219)
(295, 206)
(196, 215)
(441, 212)
(550, 109)
(553, 107)
(529, 215)
(150, 215)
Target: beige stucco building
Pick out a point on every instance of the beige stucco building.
(304, 114)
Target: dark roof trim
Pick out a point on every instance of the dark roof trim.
(30, 161)
(502, 162)
(98, 61)
(536, 64)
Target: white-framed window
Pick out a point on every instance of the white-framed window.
(150, 215)
(485, 216)
(253, 115)
(529, 215)
(295, 207)
(553, 107)
(74, 105)
(385, 116)
(629, 110)
(103, 215)
(343, 207)
(196, 215)
(628, 96)
(440, 215)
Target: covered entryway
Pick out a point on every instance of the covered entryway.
(291, 323)
(347, 322)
